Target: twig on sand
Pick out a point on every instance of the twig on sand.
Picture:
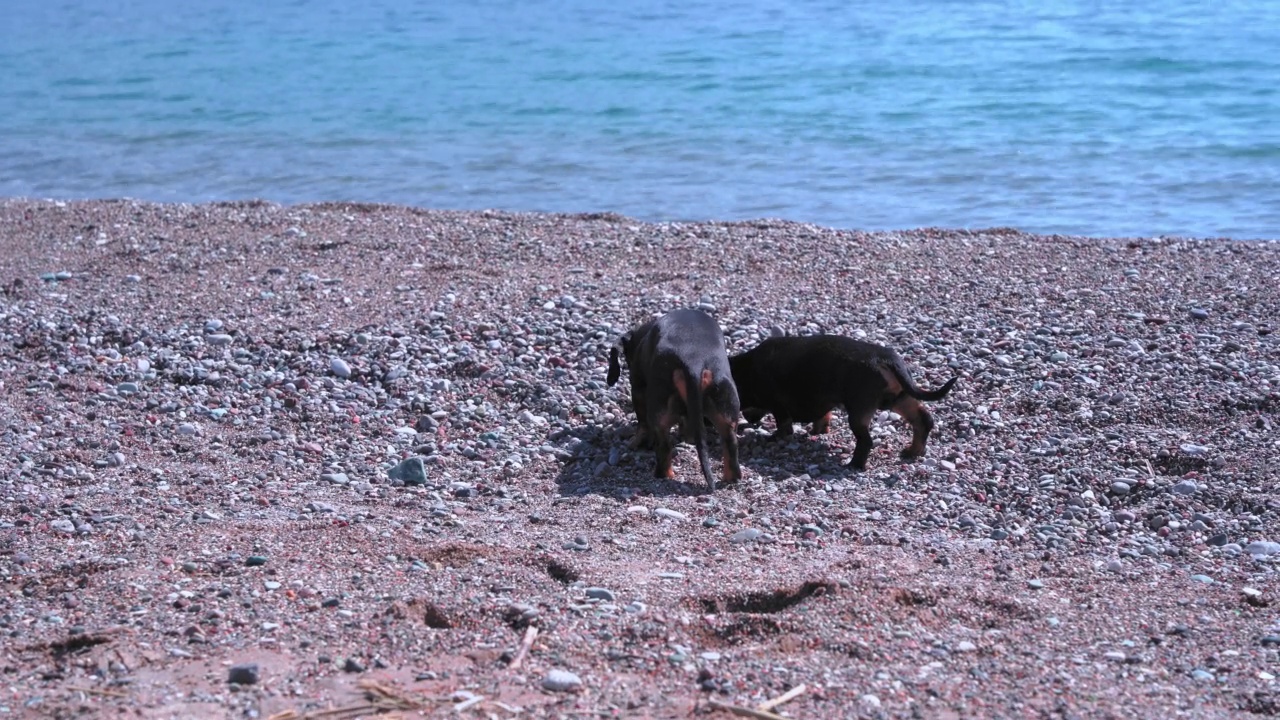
(744, 711)
(381, 698)
(97, 691)
(787, 696)
(530, 634)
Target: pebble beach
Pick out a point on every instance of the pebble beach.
(337, 460)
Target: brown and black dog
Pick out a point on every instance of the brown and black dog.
(680, 374)
(802, 379)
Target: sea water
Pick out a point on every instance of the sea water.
(1096, 118)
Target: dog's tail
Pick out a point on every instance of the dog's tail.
(691, 390)
(909, 386)
(619, 348)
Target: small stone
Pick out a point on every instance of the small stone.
(871, 700)
(1185, 487)
(339, 367)
(1262, 548)
(255, 560)
(599, 593)
(63, 525)
(1036, 584)
(1202, 579)
(561, 681)
(410, 471)
(246, 674)
(188, 429)
(964, 646)
(745, 536)
(1115, 566)
(998, 534)
(1202, 675)
(1059, 357)
(1120, 488)
(670, 514)
(1200, 314)
(1217, 540)
(218, 340)
(353, 665)
(1114, 656)
(336, 478)
(127, 388)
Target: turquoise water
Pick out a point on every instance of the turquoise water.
(1094, 118)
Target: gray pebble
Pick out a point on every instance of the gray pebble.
(1202, 675)
(63, 525)
(1035, 584)
(599, 593)
(336, 478)
(1185, 487)
(561, 681)
(1120, 488)
(188, 429)
(127, 388)
(1202, 579)
(1263, 548)
(410, 471)
(218, 340)
(339, 367)
(1199, 313)
(670, 514)
(745, 536)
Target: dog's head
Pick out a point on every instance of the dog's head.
(621, 347)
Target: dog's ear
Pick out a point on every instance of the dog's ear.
(614, 368)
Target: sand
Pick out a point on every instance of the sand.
(201, 406)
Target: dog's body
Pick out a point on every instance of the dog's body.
(680, 374)
(802, 379)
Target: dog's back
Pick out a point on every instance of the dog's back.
(802, 379)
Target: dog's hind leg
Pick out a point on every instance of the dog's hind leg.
(860, 422)
(921, 423)
(642, 437)
(731, 471)
(662, 445)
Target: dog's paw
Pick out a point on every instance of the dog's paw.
(911, 454)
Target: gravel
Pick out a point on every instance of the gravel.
(403, 414)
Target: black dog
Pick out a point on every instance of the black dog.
(680, 373)
(801, 379)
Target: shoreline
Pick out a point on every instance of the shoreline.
(366, 207)
(196, 483)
